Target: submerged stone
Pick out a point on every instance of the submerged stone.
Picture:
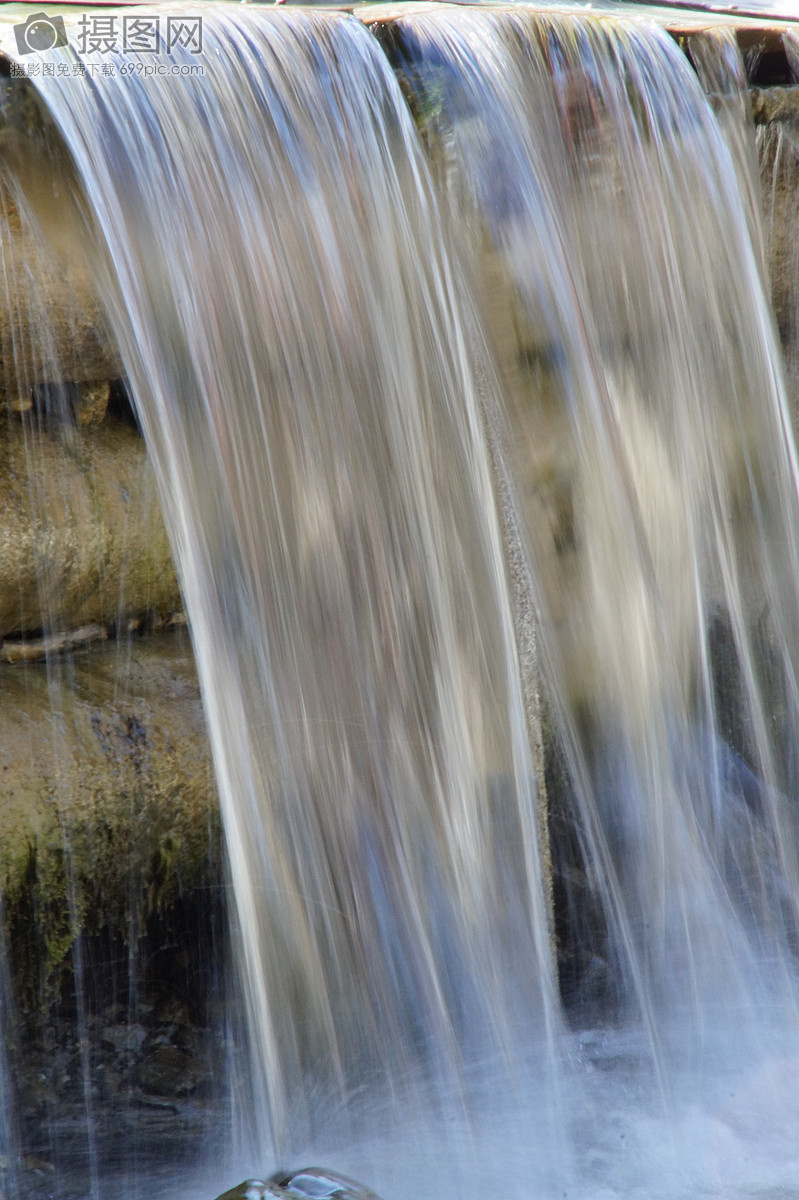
(317, 1183)
(311, 1183)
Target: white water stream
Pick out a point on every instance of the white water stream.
(439, 439)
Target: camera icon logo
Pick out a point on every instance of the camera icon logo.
(40, 32)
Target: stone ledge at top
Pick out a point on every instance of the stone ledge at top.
(50, 276)
(764, 31)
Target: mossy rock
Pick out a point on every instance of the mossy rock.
(108, 808)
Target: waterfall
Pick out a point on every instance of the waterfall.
(591, 158)
(304, 358)
(449, 337)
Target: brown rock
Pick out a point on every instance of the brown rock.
(91, 403)
(82, 540)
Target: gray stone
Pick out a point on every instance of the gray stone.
(317, 1183)
(125, 1037)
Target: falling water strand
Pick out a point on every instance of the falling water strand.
(657, 459)
(719, 65)
(300, 351)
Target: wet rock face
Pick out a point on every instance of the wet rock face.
(108, 806)
(82, 539)
(136, 1132)
(169, 1072)
(110, 844)
(127, 1070)
(776, 112)
(774, 105)
(113, 906)
(81, 535)
(110, 841)
(39, 293)
(52, 326)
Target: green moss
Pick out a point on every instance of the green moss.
(125, 827)
(424, 94)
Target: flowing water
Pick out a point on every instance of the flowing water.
(473, 443)
(317, 428)
(670, 407)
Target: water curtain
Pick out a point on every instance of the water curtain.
(449, 338)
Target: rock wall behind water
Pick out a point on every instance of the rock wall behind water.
(81, 534)
(110, 859)
(114, 910)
